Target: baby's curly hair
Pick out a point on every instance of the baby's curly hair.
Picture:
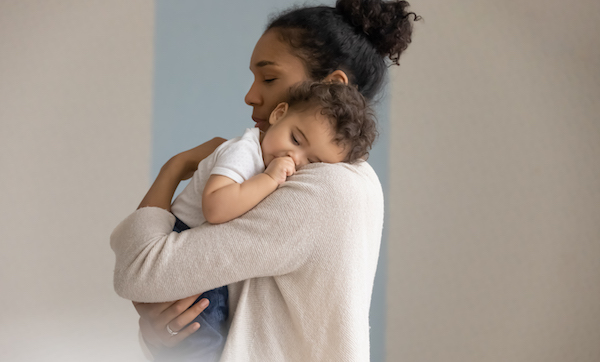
(353, 121)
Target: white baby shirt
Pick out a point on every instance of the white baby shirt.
(239, 159)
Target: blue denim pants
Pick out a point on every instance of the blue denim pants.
(206, 344)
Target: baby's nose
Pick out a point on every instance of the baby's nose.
(293, 156)
(299, 161)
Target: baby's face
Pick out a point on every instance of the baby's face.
(305, 136)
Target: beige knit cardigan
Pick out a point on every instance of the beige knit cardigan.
(300, 265)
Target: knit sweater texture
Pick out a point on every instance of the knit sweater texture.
(299, 266)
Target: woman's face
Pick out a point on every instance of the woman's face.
(275, 70)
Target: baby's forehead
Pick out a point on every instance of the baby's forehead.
(311, 112)
(320, 130)
(315, 119)
(306, 107)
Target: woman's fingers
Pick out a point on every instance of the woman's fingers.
(179, 324)
(151, 310)
(177, 317)
(176, 309)
(172, 341)
(183, 319)
(155, 317)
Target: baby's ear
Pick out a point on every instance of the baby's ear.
(278, 113)
(337, 76)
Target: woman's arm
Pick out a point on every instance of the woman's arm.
(155, 316)
(274, 238)
(180, 167)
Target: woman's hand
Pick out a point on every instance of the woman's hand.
(155, 317)
(180, 167)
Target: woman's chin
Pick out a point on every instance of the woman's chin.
(261, 124)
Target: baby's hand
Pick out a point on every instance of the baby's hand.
(280, 168)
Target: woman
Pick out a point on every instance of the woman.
(300, 266)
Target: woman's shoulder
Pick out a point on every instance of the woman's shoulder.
(359, 172)
(327, 180)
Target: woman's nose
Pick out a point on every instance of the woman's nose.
(252, 97)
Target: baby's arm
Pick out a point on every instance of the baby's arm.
(224, 199)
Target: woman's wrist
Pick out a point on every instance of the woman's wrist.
(162, 190)
(184, 164)
(178, 168)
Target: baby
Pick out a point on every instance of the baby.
(321, 122)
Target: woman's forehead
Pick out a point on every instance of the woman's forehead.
(270, 51)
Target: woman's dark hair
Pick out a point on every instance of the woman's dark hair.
(356, 36)
(352, 121)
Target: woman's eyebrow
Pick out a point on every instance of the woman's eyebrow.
(264, 63)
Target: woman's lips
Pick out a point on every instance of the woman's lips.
(262, 124)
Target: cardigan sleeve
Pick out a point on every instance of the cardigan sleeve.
(154, 264)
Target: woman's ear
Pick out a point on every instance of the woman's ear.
(337, 76)
(278, 113)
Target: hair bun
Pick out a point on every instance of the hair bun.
(387, 24)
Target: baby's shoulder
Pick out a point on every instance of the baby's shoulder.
(248, 142)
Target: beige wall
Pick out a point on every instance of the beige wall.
(494, 251)
(494, 238)
(75, 118)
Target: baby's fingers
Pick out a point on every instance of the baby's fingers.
(290, 166)
(290, 170)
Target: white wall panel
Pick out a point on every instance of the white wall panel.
(75, 125)
(495, 185)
